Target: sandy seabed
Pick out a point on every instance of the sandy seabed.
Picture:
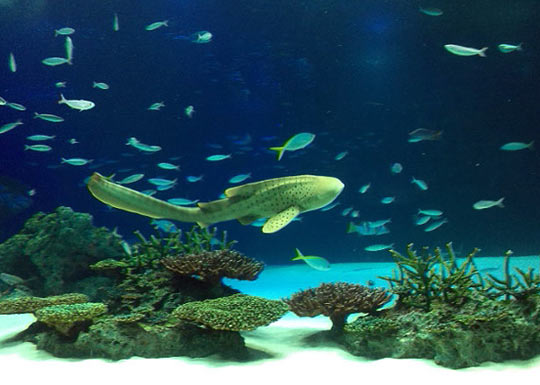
(287, 357)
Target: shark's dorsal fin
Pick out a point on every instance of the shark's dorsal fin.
(280, 220)
(242, 191)
(214, 206)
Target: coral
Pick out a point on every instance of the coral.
(237, 312)
(457, 337)
(64, 317)
(424, 278)
(110, 339)
(212, 266)
(337, 301)
(197, 240)
(520, 287)
(56, 250)
(32, 304)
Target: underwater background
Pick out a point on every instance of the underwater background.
(360, 75)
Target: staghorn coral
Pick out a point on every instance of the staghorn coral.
(522, 287)
(31, 304)
(212, 266)
(237, 312)
(425, 278)
(337, 301)
(64, 318)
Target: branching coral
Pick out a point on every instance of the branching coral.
(520, 287)
(423, 278)
(337, 301)
(197, 240)
(234, 313)
(212, 266)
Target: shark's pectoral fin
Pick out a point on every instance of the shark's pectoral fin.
(280, 220)
(246, 220)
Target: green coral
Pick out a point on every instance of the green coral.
(58, 248)
(197, 240)
(31, 304)
(234, 313)
(64, 317)
(424, 277)
(520, 287)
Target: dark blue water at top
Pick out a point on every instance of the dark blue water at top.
(359, 74)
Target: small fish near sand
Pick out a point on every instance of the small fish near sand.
(486, 204)
(465, 51)
(378, 247)
(313, 261)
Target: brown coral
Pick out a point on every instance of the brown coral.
(211, 266)
(234, 313)
(337, 301)
(31, 304)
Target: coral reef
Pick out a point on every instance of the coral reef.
(237, 312)
(115, 339)
(423, 277)
(456, 337)
(31, 304)
(135, 316)
(451, 314)
(212, 266)
(520, 287)
(52, 252)
(337, 301)
(66, 317)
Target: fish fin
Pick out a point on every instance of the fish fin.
(500, 203)
(248, 219)
(530, 146)
(280, 220)
(483, 52)
(243, 191)
(203, 224)
(280, 151)
(214, 206)
(351, 228)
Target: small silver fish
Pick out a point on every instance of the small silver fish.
(486, 204)
(465, 51)
(516, 146)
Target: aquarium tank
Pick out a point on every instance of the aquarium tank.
(230, 184)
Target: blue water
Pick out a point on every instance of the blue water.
(360, 75)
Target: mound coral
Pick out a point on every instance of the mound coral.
(212, 266)
(237, 312)
(337, 301)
